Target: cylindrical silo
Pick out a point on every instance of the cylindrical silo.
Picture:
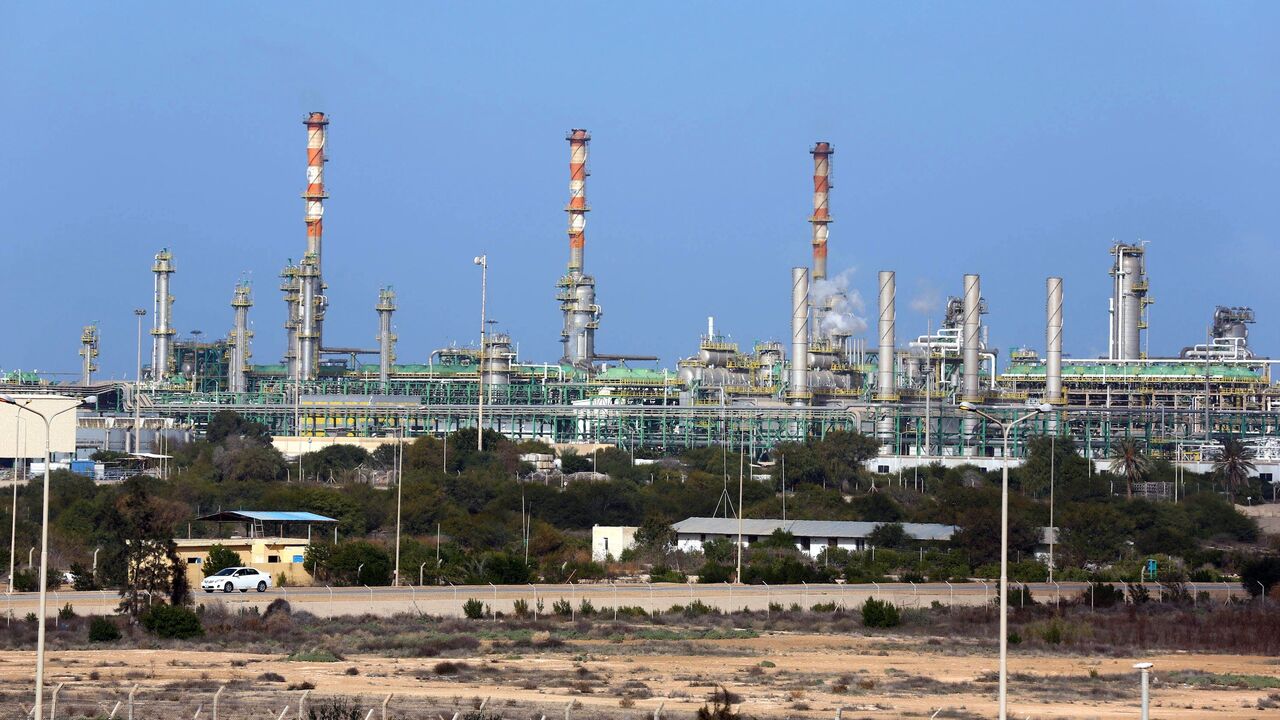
(799, 334)
(886, 387)
(1053, 342)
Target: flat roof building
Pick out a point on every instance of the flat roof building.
(811, 535)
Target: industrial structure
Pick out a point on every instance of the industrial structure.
(904, 390)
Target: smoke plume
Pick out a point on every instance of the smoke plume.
(847, 307)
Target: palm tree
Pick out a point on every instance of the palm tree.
(1234, 463)
(1129, 460)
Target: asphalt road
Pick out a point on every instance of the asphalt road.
(448, 600)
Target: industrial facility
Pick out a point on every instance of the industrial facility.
(826, 376)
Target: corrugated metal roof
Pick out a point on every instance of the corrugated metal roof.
(806, 528)
(265, 516)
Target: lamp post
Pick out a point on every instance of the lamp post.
(44, 539)
(399, 460)
(483, 262)
(139, 313)
(13, 517)
(1005, 429)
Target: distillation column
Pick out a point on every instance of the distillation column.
(799, 390)
(1053, 342)
(88, 353)
(238, 343)
(577, 294)
(886, 385)
(289, 285)
(1129, 301)
(162, 327)
(386, 340)
(969, 337)
(311, 275)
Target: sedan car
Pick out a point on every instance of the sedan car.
(230, 579)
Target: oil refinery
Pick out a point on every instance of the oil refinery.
(906, 391)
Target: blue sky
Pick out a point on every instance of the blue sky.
(1013, 140)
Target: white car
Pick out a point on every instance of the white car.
(243, 579)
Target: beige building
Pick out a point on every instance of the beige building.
(608, 541)
(279, 554)
(273, 555)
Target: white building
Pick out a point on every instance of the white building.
(608, 541)
(811, 535)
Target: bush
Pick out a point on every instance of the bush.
(562, 607)
(102, 629)
(220, 558)
(1260, 575)
(171, 621)
(586, 608)
(1101, 595)
(66, 612)
(665, 574)
(474, 609)
(880, 614)
(26, 580)
(520, 607)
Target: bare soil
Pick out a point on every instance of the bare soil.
(779, 674)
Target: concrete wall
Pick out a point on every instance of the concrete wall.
(610, 541)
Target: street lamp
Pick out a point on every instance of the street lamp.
(483, 262)
(139, 313)
(1005, 429)
(44, 537)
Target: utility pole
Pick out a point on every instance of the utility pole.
(483, 262)
(139, 313)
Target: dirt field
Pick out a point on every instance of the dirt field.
(777, 675)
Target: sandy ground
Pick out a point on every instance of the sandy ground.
(777, 676)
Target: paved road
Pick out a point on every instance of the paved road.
(448, 600)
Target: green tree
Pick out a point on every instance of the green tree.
(1092, 533)
(1234, 463)
(359, 562)
(979, 535)
(571, 462)
(889, 535)
(154, 570)
(220, 558)
(655, 535)
(1260, 575)
(334, 461)
(228, 423)
(1130, 462)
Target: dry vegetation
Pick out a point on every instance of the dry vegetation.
(1067, 662)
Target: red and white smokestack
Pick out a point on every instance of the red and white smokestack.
(315, 196)
(821, 209)
(577, 207)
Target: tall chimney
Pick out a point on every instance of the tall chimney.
(88, 353)
(1129, 301)
(1053, 342)
(238, 343)
(799, 336)
(162, 318)
(577, 295)
(821, 217)
(886, 386)
(311, 333)
(969, 337)
(386, 340)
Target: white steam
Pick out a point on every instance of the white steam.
(927, 300)
(845, 316)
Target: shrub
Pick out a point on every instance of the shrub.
(473, 609)
(880, 614)
(665, 574)
(721, 707)
(562, 607)
(66, 612)
(823, 607)
(586, 608)
(171, 621)
(1101, 595)
(338, 708)
(270, 677)
(26, 580)
(220, 558)
(520, 607)
(1260, 575)
(697, 607)
(102, 629)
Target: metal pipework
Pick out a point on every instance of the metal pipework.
(886, 385)
(238, 343)
(88, 353)
(386, 340)
(969, 337)
(162, 328)
(292, 290)
(799, 335)
(308, 333)
(1129, 301)
(1053, 342)
(821, 217)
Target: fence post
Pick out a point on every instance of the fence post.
(482, 702)
(535, 600)
(215, 700)
(388, 699)
(53, 704)
(302, 705)
(368, 714)
(131, 692)
(282, 713)
(657, 714)
(114, 710)
(494, 608)
(806, 595)
(567, 709)
(197, 715)
(951, 598)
